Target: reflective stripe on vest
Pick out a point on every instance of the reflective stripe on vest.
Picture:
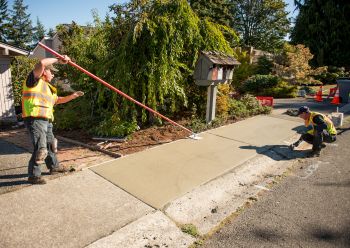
(330, 127)
(39, 100)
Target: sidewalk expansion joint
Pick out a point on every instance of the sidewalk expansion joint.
(230, 138)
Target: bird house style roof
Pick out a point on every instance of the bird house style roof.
(214, 68)
(220, 58)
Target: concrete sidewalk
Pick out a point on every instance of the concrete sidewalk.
(141, 199)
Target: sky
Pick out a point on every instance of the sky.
(52, 13)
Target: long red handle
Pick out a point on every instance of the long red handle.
(112, 88)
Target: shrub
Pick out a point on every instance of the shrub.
(268, 85)
(248, 105)
(73, 115)
(222, 100)
(114, 127)
(255, 84)
(20, 68)
(264, 65)
(282, 90)
(330, 76)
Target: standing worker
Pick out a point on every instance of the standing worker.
(38, 100)
(322, 130)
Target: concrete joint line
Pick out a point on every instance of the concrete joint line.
(240, 141)
(278, 117)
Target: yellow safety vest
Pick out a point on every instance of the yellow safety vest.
(330, 127)
(39, 100)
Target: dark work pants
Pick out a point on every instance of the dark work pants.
(41, 136)
(317, 139)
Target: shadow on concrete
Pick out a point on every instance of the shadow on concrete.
(335, 184)
(276, 152)
(342, 130)
(14, 183)
(13, 176)
(299, 129)
(7, 148)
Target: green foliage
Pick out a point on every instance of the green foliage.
(332, 73)
(240, 108)
(244, 70)
(292, 64)
(268, 85)
(20, 68)
(216, 11)
(282, 90)
(39, 31)
(74, 115)
(148, 51)
(257, 83)
(20, 26)
(114, 127)
(4, 18)
(264, 66)
(246, 106)
(262, 24)
(190, 229)
(324, 27)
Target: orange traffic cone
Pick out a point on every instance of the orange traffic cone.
(336, 99)
(318, 96)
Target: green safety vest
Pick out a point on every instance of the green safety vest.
(39, 100)
(330, 127)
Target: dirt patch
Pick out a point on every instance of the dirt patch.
(136, 142)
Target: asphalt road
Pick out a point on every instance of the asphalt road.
(310, 208)
(13, 167)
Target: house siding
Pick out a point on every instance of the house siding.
(7, 108)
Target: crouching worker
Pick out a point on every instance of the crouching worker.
(38, 100)
(322, 130)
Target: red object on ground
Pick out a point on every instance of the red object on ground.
(112, 87)
(336, 99)
(265, 100)
(332, 91)
(318, 96)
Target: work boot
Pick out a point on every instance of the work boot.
(36, 180)
(58, 169)
(40, 156)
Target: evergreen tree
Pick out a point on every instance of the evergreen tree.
(39, 31)
(3, 20)
(51, 32)
(262, 24)
(324, 27)
(21, 30)
(215, 10)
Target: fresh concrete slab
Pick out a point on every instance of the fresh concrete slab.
(208, 205)
(261, 130)
(71, 211)
(162, 174)
(152, 230)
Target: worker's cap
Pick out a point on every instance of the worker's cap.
(50, 67)
(303, 109)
